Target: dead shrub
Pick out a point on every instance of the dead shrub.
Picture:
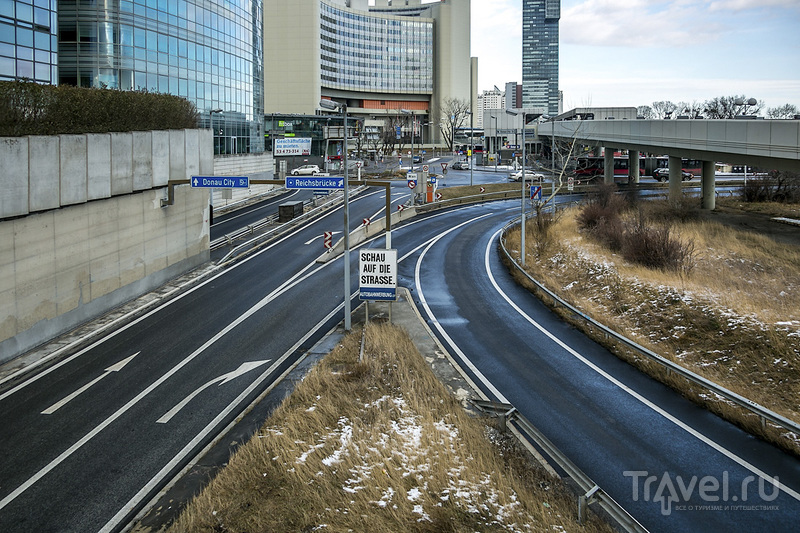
(655, 247)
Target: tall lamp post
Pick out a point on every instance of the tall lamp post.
(211, 191)
(471, 139)
(333, 106)
(522, 227)
(407, 112)
(745, 103)
(496, 151)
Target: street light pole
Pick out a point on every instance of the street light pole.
(522, 207)
(211, 114)
(471, 147)
(331, 105)
(494, 138)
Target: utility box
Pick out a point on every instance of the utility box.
(290, 210)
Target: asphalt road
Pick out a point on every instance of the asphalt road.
(89, 440)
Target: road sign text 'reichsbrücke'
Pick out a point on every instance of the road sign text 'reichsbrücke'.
(221, 182)
(314, 182)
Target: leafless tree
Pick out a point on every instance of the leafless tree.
(453, 115)
(663, 109)
(731, 106)
(784, 111)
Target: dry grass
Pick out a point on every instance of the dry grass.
(378, 446)
(733, 318)
(471, 190)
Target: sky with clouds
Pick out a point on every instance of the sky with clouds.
(636, 52)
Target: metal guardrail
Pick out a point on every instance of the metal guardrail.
(278, 230)
(590, 492)
(764, 414)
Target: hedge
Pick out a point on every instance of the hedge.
(28, 108)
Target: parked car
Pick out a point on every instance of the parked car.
(529, 175)
(460, 165)
(662, 174)
(306, 170)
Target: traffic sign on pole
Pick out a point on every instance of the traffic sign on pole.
(220, 182)
(377, 274)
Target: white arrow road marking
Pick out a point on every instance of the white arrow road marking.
(113, 368)
(321, 236)
(223, 379)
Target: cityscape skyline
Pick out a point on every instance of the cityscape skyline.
(682, 50)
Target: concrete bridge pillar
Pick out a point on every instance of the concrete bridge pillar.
(608, 166)
(709, 190)
(675, 179)
(633, 166)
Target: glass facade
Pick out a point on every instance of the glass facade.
(208, 51)
(28, 40)
(540, 54)
(365, 52)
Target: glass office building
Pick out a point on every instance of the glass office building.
(540, 54)
(208, 51)
(364, 52)
(28, 40)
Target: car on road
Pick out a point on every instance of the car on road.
(529, 175)
(306, 170)
(460, 165)
(417, 159)
(662, 174)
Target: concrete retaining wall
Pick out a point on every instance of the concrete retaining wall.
(82, 228)
(253, 165)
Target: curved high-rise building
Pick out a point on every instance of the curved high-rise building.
(378, 59)
(208, 51)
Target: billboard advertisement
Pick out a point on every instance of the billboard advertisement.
(294, 146)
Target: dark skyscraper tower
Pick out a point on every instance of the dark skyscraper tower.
(540, 54)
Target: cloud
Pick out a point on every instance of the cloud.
(638, 23)
(742, 5)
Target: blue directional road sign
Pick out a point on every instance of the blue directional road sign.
(314, 182)
(221, 182)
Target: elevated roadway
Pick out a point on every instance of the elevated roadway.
(768, 144)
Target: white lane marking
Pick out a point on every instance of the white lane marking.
(113, 368)
(156, 480)
(113, 324)
(417, 281)
(627, 389)
(291, 282)
(221, 380)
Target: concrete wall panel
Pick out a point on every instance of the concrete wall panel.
(98, 157)
(784, 133)
(8, 296)
(73, 278)
(206, 143)
(44, 173)
(160, 158)
(142, 160)
(14, 177)
(131, 239)
(192, 151)
(72, 150)
(177, 155)
(121, 163)
(34, 268)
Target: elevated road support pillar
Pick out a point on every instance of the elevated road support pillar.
(608, 166)
(709, 189)
(633, 166)
(675, 178)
